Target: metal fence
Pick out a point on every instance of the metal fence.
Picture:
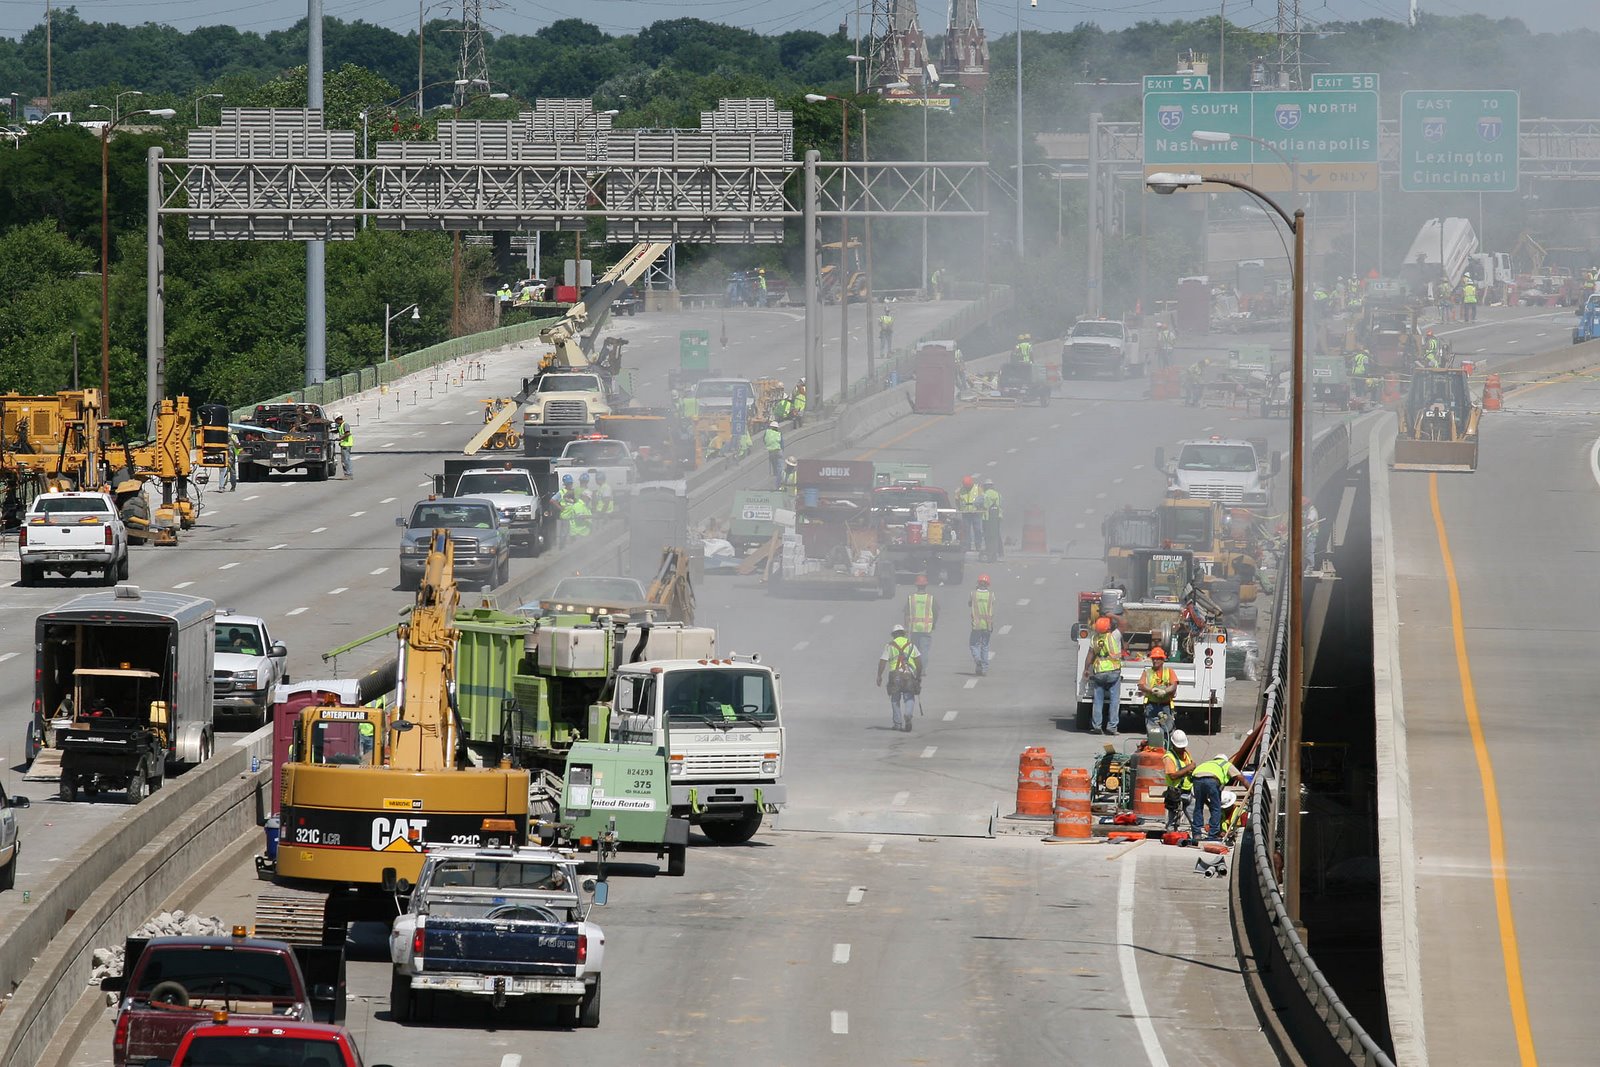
(1321, 1028)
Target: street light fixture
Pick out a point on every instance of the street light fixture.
(416, 314)
(857, 61)
(208, 96)
(116, 103)
(1220, 137)
(1168, 183)
(105, 244)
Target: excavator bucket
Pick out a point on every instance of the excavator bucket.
(1443, 456)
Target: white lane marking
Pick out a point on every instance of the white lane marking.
(387, 500)
(448, 422)
(1099, 496)
(183, 585)
(801, 646)
(295, 611)
(1542, 333)
(380, 570)
(992, 463)
(1011, 451)
(387, 444)
(1138, 466)
(320, 529)
(8, 655)
(357, 514)
(900, 799)
(1055, 426)
(423, 485)
(1040, 580)
(1005, 629)
(855, 894)
(875, 845)
(1116, 481)
(274, 548)
(1130, 965)
(230, 566)
(419, 433)
(1024, 602)
(253, 496)
(1594, 461)
(950, 716)
(841, 953)
(1511, 342)
(971, 683)
(341, 589)
(1077, 526)
(511, 1059)
(840, 1021)
(928, 752)
(1031, 440)
(826, 619)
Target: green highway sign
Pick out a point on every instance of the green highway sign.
(1459, 141)
(1177, 83)
(1304, 127)
(1334, 82)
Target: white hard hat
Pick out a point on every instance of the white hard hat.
(1180, 739)
(1229, 798)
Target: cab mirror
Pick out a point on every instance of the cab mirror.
(400, 522)
(391, 880)
(601, 891)
(279, 650)
(21, 802)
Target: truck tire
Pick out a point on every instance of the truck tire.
(8, 877)
(733, 831)
(28, 577)
(123, 567)
(588, 1008)
(887, 583)
(677, 860)
(69, 787)
(136, 786)
(400, 1000)
(109, 575)
(409, 583)
(1082, 718)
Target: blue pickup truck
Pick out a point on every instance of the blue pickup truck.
(501, 925)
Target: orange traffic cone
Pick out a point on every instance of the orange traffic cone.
(1491, 393)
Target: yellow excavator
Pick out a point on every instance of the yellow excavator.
(1438, 423)
(349, 813)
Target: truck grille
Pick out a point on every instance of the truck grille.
(566, 411)
(1230, 494)
(699, 766)
(222, 681)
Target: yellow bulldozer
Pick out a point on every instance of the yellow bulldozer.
(1438, 423)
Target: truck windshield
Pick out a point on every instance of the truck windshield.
(1237, 459)
(569, 383)
(262, 1050)
(215, 972)
(494, 483)
(596, 451)
(469, 873)
(73, 505)
(1189, 527)
(600, 590)
(452, 516)
(719, 696)
(243, 638)
(1097, 329)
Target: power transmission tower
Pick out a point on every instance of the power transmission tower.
(473, 72)
(1289, 33)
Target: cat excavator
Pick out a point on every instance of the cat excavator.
(1438, 423)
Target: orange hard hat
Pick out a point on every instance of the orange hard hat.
(1102, 625)
(922, 579)
(1158, 653)
(967, 481)
(983, 579)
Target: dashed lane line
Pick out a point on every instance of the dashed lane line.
(839, 1021)
(387, 444)
(1005, 629)
(928, 752)
(274, 548)
(841, 953)
(341, 589)
(253, 496)
(856, 893)
(183, 585)
(388, 500)
(7, 655)
(971, 683)
(296, 611)
(875, 845)
(950, 716)
(511, 1059)
(320, 529)
(230, 566)
(1024, 602)
(1040, 580)
(801, 646)
(826, 619)
(380, 570)
(900, 799)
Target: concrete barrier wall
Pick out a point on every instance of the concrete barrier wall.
(108, 888)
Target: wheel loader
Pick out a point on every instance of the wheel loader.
(1438, 423)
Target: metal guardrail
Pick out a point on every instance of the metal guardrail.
(1283, 961)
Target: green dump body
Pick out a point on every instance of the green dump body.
(488, 657)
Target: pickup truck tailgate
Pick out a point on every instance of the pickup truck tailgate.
(498, 947)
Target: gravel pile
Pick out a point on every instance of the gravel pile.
(107, 962)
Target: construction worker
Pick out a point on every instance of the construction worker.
(1024, 350)
(1469, 300)
(1209, 779)
(761, 287)
(1430, 349)
(904, 665)
(1158, 685)
(503, 294)
(797, 407)
(781, 408)
(791, 478)
(989, 507)
(585, 491)
(885, 332)
(231, 472)
(981, 606)
(558, 502)
(575, 514)
(1179, 765)
(347, 444)
(772, 437)
(688, 407)
(742, 444)
(1232, 815)
(1104, 671)
(922, 615)
(1166, 341)
(605, 501)
(969, 505)
(1194, 382)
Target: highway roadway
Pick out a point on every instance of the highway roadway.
(868, 925)
(1497, 582)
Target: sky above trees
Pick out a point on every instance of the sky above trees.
(778, 16)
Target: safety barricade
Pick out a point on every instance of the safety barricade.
(1033, 783)
(1491, 393)
(1073, 815)
(1150, 785)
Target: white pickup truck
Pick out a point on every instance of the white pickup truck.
(605, 455)
(1101, 346)
(71, 533)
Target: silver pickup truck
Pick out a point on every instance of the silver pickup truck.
(482, 542)
(72, 533)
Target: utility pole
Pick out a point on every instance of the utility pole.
(419, 58)
(1092, 268)
(49, 64)
(316, 251)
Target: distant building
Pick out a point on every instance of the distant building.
(966, 48)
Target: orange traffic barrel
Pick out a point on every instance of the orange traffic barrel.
(1391, 389)
(1033, 539)
(1034, 771)
(1150, 785)
(1491, 393)
(1072, 805)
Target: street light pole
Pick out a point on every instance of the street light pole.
(208, 96)
(1293, 726)
(416, 313)
(116, 101)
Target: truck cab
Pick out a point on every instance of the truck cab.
(1101, 346)
(595, 452)
(1232, 470)
(70, 533)
(249, 664)
(514, 495)
(721, 722)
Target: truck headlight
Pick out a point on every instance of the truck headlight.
(675, 767)
(413, 550)
(255, 678)
(523, 512)
(769, 766)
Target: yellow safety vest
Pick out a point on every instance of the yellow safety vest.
(799, 404)
(576, 512)
(967, 499)
(1153, 678)
(982, 609)
(347, 439)
(1184, 782)
(903, 655)
(1469, 295)
(1220, 769)
(920, 608)
(773, 440)
(1025, 352)
(1107, 652)
(991, 503)
(1358, 365)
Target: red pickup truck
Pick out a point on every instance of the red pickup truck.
(306, 1044)
(170, 984)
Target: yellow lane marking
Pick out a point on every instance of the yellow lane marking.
(918, 428)
(1491, 798)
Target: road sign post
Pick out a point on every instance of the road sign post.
(1459, 141)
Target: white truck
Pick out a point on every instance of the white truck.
(1200, 663)
(605, 455)
(249, 664)
(514, 490)
(1443, 247)
(498, 925)
(560, 406)
(1232, 470)
(71, 533)
(1101, 346)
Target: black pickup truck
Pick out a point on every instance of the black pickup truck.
(287, 437)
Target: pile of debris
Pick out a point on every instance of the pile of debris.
(107, 962)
